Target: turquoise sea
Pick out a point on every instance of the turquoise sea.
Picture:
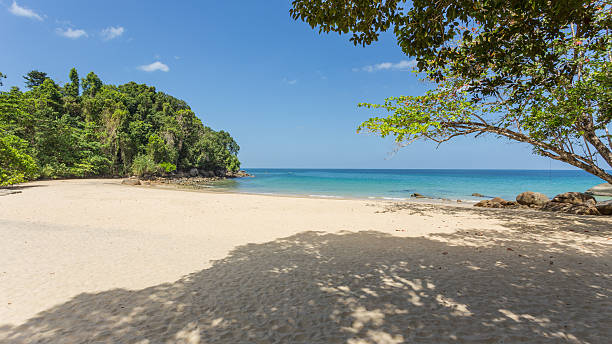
(400, 184)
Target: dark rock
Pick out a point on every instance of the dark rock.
(131, 181)
(570, 208)
(239, 174)
(605, 208)
(476, 194)
(502, 201)
(532, 198)
(417, 195)
(496, 202)
(576, 198)
(194, 172)
(604, 189)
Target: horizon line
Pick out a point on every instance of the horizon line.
(465, 169)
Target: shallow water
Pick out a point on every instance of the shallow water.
(400, 184)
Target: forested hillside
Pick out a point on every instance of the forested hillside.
(86, 128)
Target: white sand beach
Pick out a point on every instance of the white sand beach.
(97, 261)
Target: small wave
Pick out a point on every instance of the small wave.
(324, 196)
(388, 198)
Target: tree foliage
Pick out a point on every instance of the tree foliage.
(105, 130)
(533, 71)
(34, 78)
(16, 166)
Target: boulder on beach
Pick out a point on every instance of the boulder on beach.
(532, 198)
(570, 208)
(417, 195)
(194, 172)
(576, 198)
(570, 202)
(604, 189)
(496, 202)
(605, 207)
(476, 194)
(131, 181)
(573, 203)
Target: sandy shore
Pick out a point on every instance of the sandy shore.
(96, 261)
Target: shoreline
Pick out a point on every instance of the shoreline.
(220, 190)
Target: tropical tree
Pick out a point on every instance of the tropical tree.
(91, 84)
(16, 166)
(34, 78)
(532, 71)
(72, 88)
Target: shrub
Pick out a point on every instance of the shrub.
(167, 167)
(144, 165)
(16, 166)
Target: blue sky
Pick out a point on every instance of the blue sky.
(287, 94)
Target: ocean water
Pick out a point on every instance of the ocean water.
(400, 184)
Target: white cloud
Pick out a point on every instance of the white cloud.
(112, 32)
(401, 66)
(71, 33)
(290, 82)
(24, 12)
(154, 67)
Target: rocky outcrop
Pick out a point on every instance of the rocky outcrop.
(207, 174)
(476, 194)
(576, 198)
(604, 189)
(131, 181)
(532, 198)
(570, 202)
(417, 195)
(573, 203)
(197, 178)
(496, 203)
(239, 174)
(605, 208)
(571, 208)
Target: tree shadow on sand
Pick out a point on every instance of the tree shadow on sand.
(366, 287)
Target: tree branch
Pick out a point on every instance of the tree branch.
(544, 148)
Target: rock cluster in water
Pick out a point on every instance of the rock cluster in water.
(570, 202)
